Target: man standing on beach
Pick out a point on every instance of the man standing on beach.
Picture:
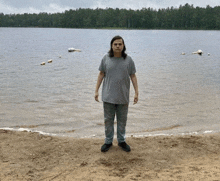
(117, 69)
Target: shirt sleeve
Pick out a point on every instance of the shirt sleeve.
(102, 65)
(132, 67)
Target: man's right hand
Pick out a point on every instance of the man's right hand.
(97, 96)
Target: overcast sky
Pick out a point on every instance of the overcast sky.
(53, 6)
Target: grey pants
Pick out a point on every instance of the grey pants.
(121, 112)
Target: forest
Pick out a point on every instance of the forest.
(185, 17)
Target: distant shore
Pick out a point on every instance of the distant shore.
(115, 28)
(32, 156)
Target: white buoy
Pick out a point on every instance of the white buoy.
(183, 53)
(73, 50)
(50, 61)
(43, 63)
(60, 56)
(199, 52)
(208, 54)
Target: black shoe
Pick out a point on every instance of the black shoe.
(105, 147)
(124, 146)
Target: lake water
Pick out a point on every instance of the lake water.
(179, 94)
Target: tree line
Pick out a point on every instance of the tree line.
(185, 17)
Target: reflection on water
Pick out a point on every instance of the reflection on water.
(178, 93)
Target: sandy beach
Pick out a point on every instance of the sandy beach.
(31, 156)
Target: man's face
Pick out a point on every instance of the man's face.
(117, 46)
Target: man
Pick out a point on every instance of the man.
(116, 69)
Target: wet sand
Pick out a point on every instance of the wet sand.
(31, 156)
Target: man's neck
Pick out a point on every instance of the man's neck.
(118, 55)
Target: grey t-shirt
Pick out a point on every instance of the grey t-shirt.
(116, 85)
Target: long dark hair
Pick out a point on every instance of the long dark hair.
(111, 53)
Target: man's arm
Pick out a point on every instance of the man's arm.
(135, 84)
(99, 81)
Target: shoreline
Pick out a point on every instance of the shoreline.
(113, 28)
(32, 156)
(128, 135)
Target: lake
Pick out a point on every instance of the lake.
(179, 94)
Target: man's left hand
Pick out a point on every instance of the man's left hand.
(135, 99)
